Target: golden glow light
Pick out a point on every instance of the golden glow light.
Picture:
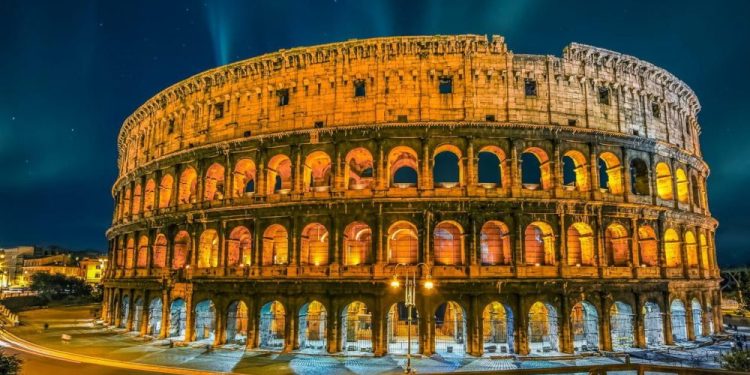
(428, 284)
(395, 283)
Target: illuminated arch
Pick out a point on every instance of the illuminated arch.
(126, 203)
(403, 157)
(580, 245)
(317, 171)
(275, 245)
(610, 173)
(314, 245)
(691, 248)
(543, 328)
(357, 244)
(576, 171)
(539, 244)
(237, 323)
(208, 249)
(639, 182)
(617, 245)
(678, 317)
(664, 181)
(536, 169)
(244, 177)
(214, 188)
(142, 254)
(159, 257)
(181, 249)
(495, 243)
(498, 328)
(279, 175)
(188, 182)
(403, 243)
(149, 196)
(239, 247)
(448, 243)
(272, 326)
(697, 192)
(622, 326)
(137, 194)
(647, 243)
(584, 321)
(490, 161)
(359, 169)
(130, 253)
(312, 327)
(683, 190)
(446, 166)
(704, 251)
(165, 190)
(672, 248)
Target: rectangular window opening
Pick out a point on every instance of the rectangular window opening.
(170, 127)
(359, 88)
(218, 111)
(402, 118)
(489, 118)
(446, 85)
(655, 110)
(604, 95)
(319, 124)
(283, 96)
(530, 87)
(572, 122)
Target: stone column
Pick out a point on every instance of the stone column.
(165, 312)
(427, 237)
(220, 325)
(639, 326)
(379, 326)
(189, 316)
(290, 328)
(381, 172)
(521, 329)
(566, 335)
(605, 325)
(689, 319)
(668, 339)
(471, 177)
(379, 245)
(426, 174)
(260, 174)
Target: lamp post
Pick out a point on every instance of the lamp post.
(410, 290)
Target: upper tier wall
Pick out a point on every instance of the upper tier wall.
(401, 77)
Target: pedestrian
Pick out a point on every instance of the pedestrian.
(46, 326)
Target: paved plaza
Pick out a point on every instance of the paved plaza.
(89, 338)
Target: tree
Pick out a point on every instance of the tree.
(736, 360)
(58, 286)
(9, 364)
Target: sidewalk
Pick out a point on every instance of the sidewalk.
(92, 340)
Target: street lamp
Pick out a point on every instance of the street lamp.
(410, 290)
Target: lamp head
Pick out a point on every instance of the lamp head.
(428, 284)
(394, 282)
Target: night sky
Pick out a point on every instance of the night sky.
(72, 71)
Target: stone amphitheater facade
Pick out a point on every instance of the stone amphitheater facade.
(557, 203)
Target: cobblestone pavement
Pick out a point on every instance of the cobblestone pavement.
(91, 339)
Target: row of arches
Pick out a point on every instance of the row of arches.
(403, 170)
(402, 242)
(497, 325)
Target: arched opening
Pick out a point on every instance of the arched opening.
(154, 317)
(622, 327)
(149, 196)
(697, 192)
(617, 245)
(672, 248)
(539, 244)
(238, 247)
(205, 319)
(575, 171)
(165, 190)
(536, 169)
(177, 319)
(312, 327)
(678, 318)
(188, 182)
(137, 315)
(450, 329)
(403, 244)
(272, 323)
(237, 323)
(691, 248)
(314, 245)
(696, 311)
(120, 254)
(180, 250)
(497, 329)
(357, 244)
(653, 325)
(159, 258)
(137, 199)
(490, 166)
(664, 181)
(402, 167)
(495, 243)
(610, 173)
(448, 244)
(683, 195)
(214, 189)
(359, 169)
(648, 246)
(543, 336)
(124, 311)
(446, 168)
(585, 323)
(142, 255)
(356, 329)
(130, 253)
(244, 178)
(704, 251)
(275, 245)
(317, 172)
(279, 175)
(208, 249)
(580, 245)
(398, 329)
(639, 184)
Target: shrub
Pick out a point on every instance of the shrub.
(59, 286)
(22, 303)
(9, 364)
(736, 360)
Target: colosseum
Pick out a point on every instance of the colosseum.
(552, 204)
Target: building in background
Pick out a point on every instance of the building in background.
(11, 265)
(92, 269)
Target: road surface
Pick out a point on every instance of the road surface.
(34, 364)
